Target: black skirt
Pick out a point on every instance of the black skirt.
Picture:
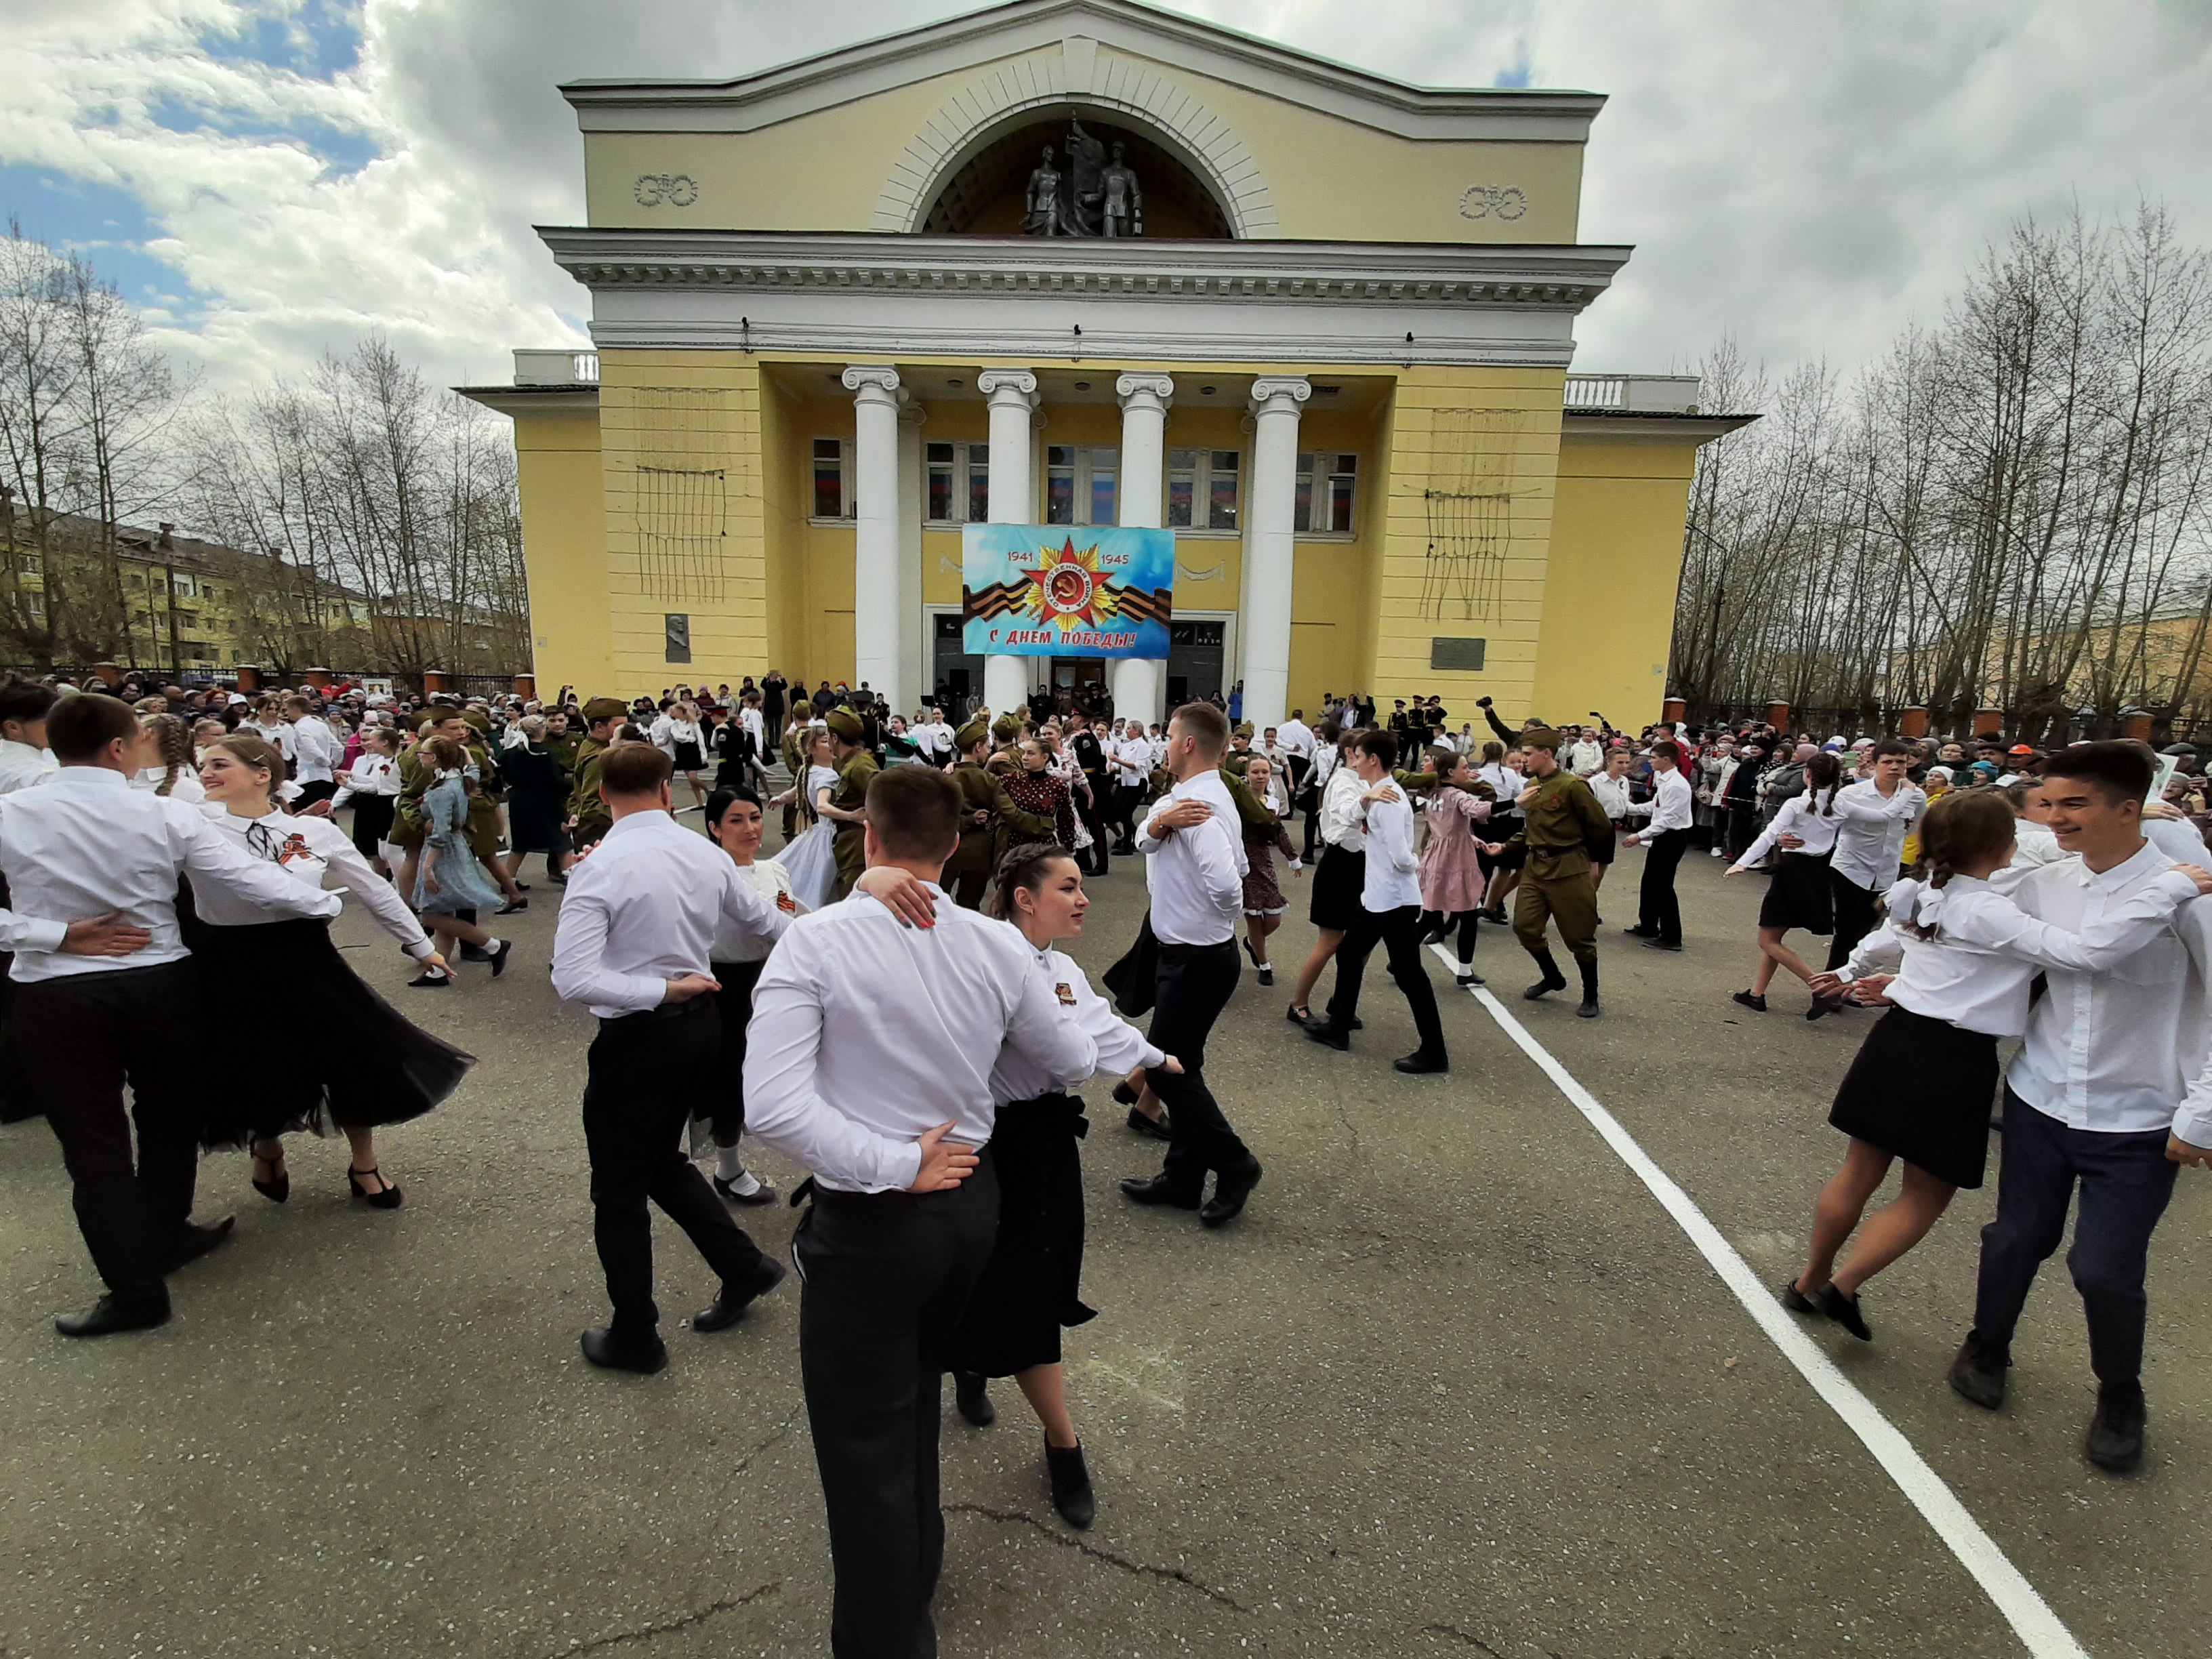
(1339, 880)
(533, 821)
(1921, 1090)
(372, 822)
(726, 1092)
(1602, 848)
(1029, 1288)
(1798, 895)
(688, 758)
(337, 1055)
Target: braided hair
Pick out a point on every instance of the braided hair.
(1022, 870)
(1966, 826)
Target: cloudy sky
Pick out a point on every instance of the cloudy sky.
(269, 177)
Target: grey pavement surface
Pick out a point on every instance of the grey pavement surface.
(1454, 1385)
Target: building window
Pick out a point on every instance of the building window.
(184, 588)
(1203, 488)
(34, 606)
(676, 629)
(1079, 483)
(29, 564)
(833, 475)
(958, 488)
(1325, 492)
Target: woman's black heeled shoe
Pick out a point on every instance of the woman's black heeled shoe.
(1071, 1485)
(388, 1197)
(973, 1404)
(278, 1187)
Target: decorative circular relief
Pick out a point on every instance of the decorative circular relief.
(1493, 202)
(665, 189)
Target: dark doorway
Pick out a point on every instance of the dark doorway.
(1194, 660)
(951, 668)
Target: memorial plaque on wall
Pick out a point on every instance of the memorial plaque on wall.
(1066, 590)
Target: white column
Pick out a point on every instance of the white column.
(1270, 517)
(1012, 394)
(875, 523)
(914, 668)
(1139, 682)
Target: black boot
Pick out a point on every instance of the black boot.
(973, 1402)
(1071, 1485)
(1589, 1010)
(1553, 980)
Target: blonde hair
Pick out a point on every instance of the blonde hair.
(257, 753)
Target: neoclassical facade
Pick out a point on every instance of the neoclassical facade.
(834, 325)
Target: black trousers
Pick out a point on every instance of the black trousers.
(887, 1277)
(2125, 1181)
(1193, 985)
(648, 1074)
(81, 1038)
(1854, 906)
(1659, 911)
(1399, 932)
(1090, 808)
(1127, 797)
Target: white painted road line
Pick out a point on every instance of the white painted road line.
(2025, 1610)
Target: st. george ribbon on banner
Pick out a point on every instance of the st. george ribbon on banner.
(1066, 590)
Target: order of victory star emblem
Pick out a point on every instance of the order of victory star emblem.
(1069, 591)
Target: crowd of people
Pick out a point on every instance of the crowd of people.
(887, 999)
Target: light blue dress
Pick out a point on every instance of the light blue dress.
(462, 883)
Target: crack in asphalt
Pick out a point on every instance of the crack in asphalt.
(684, 1621)
(1144, 1569)
(775, 1434)
(1454, 1630)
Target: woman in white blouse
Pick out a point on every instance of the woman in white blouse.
(735, 819)
(678, 735)
(1030, 1288)
(810, 861)
(336, 1052)
(372, 785)
(177, 775)
(1799, 895)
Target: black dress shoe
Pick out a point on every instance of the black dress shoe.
(730, 1306)
(498, 958)
(1419, 1064)
(112, 1315)
(1823, 1007)
(1071, 1485)
(1330, 1034)
(512, 905)
(1123, 1094)
(1160, 1189)
(1794, 1299)
(1844, 1310)
(278, 1187)
(198, 1240)
(2116, 1433)
(1978, 1372)
(1156, 1128)
(602, 1350)
(727, 1192)
(1231, 1188)
(1752, 999)
(1662, 944)
(972, 1400)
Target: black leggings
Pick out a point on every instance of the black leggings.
(1440, 922)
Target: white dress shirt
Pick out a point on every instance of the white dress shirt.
(1801, 816)
(1133, 762)
(756, 723)
(866, 1033)
(2033, 847)
(315, 750)
(1118, 1047)
(186, 788)
(1873, 834)
(736, 943)
(85, 842)
(1296, 738)
(305, 849)
(1613, 796)
(668, 732)
(1196, 875)
(643, 910)
(371, 774)
(1976, 971)
(22, 767)
(1670, 805)
(2116, 1051)
(2176, 838)
(1342, 818)
(1394, 879)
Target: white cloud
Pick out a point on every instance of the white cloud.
(1808, 178)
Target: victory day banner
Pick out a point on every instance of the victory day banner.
(1035, 590)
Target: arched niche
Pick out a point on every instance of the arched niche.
(983, 194)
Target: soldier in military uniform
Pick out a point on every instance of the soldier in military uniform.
(1562, 819)
(1005, 746)
(561, 741)
(589, 817)
(990, 822)
(847, 805)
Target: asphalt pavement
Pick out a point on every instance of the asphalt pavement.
(1455, 1384)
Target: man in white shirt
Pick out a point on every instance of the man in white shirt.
(2108, 1094)
(1390, 913)
(1196, 865)
(1877, 813)
(314, 753)
(105, 993)
(634, 943)
(1132, 757)
(869, 1060)
(25, 763)
(1659, 910)
(1296, 740)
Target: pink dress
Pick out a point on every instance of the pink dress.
(1451, 880)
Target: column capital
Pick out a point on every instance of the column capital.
(1145, 390)
(1008, 386)
(864, 378)
(1280, 394)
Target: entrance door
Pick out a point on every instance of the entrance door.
(951, 669)
(1195, 661)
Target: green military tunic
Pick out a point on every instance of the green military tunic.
(415, 778)
(982, 845)
(592, 817)
(854, 774)
(1562, 819)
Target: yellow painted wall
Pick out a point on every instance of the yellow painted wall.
(1330, 576)
(1490, 433)
(1330, 179)
(1616, 558)
(564, 539)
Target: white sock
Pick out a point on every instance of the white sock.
(491, 943)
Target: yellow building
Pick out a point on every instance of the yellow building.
(1333, 359)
